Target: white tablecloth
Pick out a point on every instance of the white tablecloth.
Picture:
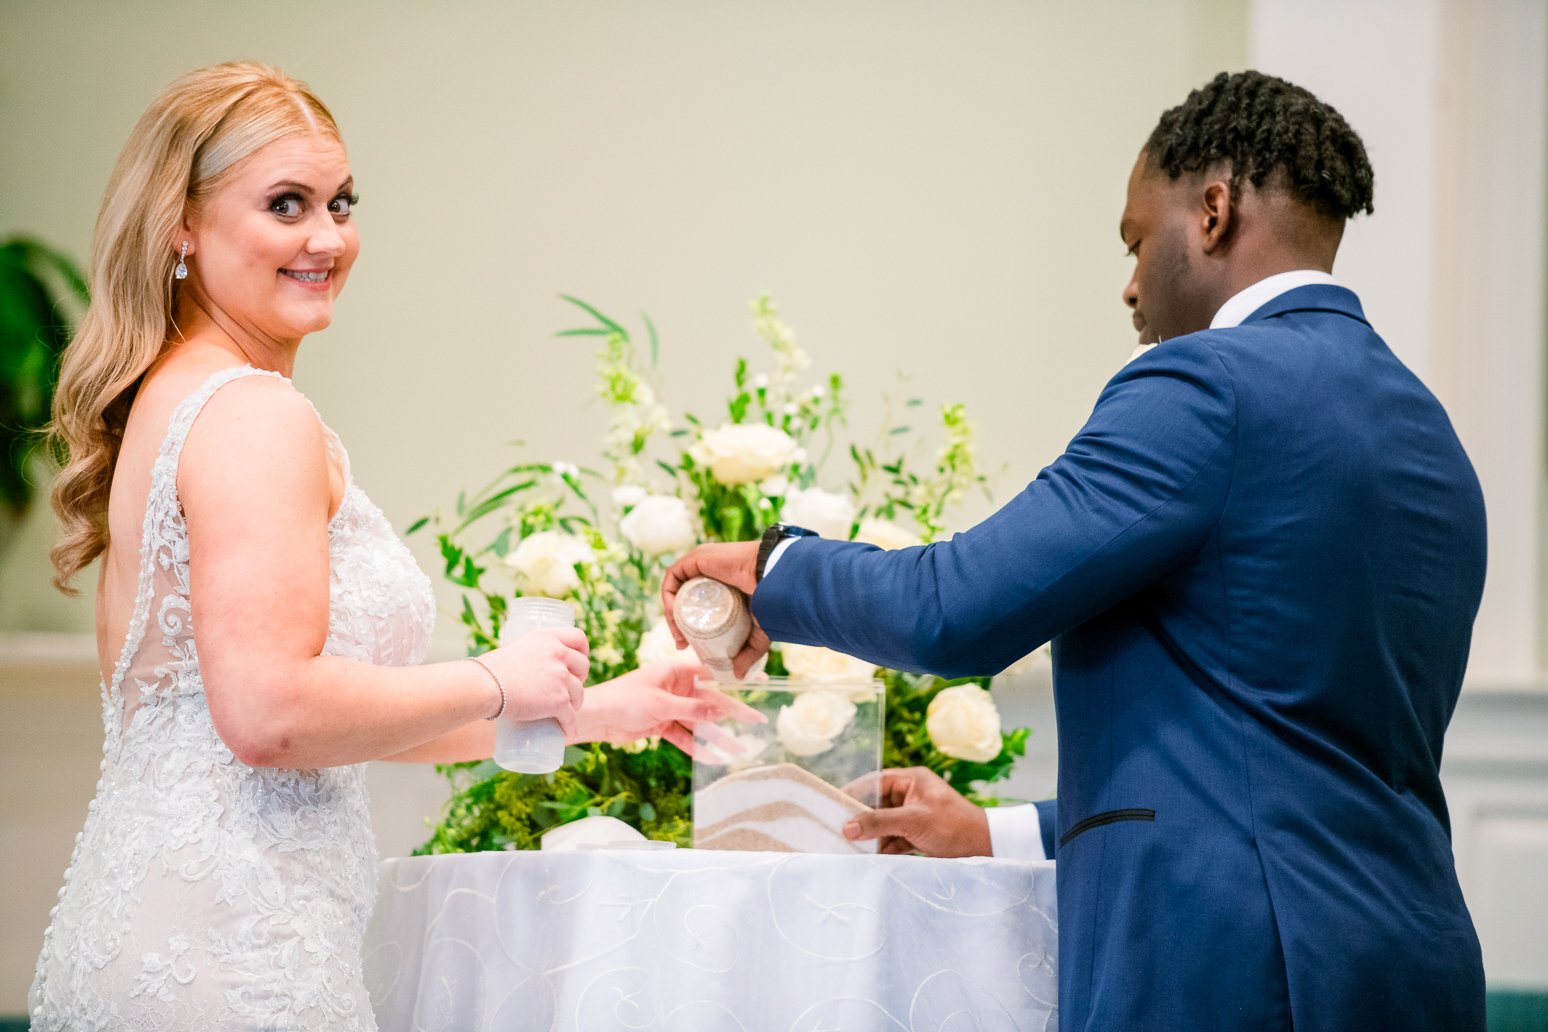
(716, 941)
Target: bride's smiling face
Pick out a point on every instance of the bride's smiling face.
(272, 247)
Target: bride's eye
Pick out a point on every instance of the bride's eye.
(286, 206)
(344, 204)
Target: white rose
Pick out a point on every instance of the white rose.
(739, 453)
(963, 722)
(626, 495)
(885, 534)
(812, 721)
(813, 663)
(659, 524)
(827, 513)
(775, 486)
(727, 748)
(545, 563)
(656, 644)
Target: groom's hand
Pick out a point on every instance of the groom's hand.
(734, 563)
(921, 813)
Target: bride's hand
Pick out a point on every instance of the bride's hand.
(657, 700)
(543, 671)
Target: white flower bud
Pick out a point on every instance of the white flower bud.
(829, 514)
(739, 453)
(627, 495)
(963, 723)
(545, 563)
(813, 663)
(885, 534)
(813, 721)
(659, 524)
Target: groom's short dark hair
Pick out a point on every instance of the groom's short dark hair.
(1263, 127)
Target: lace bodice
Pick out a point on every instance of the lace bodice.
(204, 893)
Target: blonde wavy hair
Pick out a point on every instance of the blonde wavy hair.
(180, 152)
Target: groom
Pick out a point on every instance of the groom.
(1259, 564)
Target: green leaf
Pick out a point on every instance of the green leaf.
(590, 331)
(738, 406)
(595, 314)
(490, 504)
(655, 342)
(417, 525)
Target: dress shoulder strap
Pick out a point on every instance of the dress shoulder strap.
(182, 418)
(162, 539)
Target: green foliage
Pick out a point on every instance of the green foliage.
(614, 584)
(40, 292)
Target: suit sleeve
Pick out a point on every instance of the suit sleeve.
(1138, 491)
(1047, 825)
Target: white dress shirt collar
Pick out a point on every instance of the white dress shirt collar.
(1243, 304)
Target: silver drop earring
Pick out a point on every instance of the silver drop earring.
(181, 272)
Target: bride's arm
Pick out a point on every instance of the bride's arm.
(657, 700)
(254, 484)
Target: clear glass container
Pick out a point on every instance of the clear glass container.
(789, 785)
(531, 746)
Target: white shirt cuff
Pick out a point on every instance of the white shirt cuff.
(778, 551)
(1015, 832)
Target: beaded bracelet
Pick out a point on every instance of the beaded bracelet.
(498, 684)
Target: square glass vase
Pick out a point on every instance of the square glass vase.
(791, 784)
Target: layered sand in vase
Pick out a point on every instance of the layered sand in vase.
(780, 808)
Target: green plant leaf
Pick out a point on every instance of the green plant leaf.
(655, 341)
(595, 314)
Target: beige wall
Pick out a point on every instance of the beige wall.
(932, 188)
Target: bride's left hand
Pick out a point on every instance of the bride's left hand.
(657, 700)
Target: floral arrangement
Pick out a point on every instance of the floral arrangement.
(603, 538)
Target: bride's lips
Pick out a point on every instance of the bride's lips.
(312, 279)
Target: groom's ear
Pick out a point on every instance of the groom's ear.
(1215, 214)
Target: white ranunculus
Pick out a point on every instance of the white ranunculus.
(812, 721)
(815, 664)
(545, 563)
(964, 723)
(775, 486)
(739, 453)
(885, 534)
(626, 495)
(829, 514)
(656, 644)
(659, 524)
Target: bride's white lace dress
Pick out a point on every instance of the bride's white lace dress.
(204, 893)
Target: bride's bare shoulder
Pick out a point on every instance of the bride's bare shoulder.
(250, 422)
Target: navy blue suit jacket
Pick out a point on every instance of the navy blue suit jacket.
(1259, 564)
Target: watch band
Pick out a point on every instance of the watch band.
(772, 536)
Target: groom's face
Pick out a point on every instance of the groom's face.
(1167, 292)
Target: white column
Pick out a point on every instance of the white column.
(1451, 98)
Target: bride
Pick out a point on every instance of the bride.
(260, 628)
